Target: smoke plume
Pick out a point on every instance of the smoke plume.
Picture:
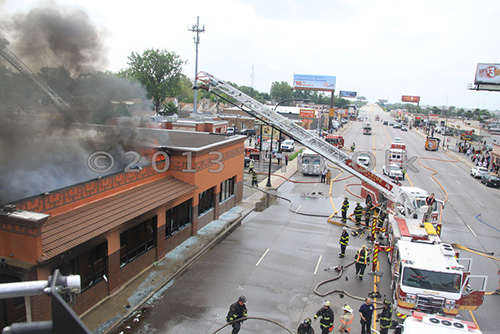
(40, 150)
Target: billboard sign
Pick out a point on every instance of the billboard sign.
(408, 98)
(487, 74)
(331, 112)
(307, 113)
(345, 93)
(314, 82)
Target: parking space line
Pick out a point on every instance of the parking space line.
(262, 257)
(298, 208)
(458, 182)
(471, 230)
(480, 203)
(317, 265)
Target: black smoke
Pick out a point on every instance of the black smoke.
(41, 148)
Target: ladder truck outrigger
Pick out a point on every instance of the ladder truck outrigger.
(439, 283)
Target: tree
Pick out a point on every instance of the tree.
(281, 91)
(159, 71)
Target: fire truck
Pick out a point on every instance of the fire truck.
(439, 281)
(335, 140)
(367, 129)
(421, 322)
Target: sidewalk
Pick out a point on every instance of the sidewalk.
(109, 313)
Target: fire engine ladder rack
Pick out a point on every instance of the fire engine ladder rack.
(304, 137)
(22, 68)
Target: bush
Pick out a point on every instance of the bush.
(293, 156)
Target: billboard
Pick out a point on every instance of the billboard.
(408, 98)
(345, 93)
(307, 113)
(487, 74)
(314, 82)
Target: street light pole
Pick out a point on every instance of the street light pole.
(271, 146)
(197, 30)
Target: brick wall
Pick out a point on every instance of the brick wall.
(90, 297)
(206, 218)
(176, 239)
(133, 268)
(238, 191)
(227, 204)
(114, 271)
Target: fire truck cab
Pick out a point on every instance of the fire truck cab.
(335, 140)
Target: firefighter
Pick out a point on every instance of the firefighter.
(254, 179)
(326, 314)
(305, 327)
(368, 212)
(346, 319)
(344, 240)
(237, 311)
(345, 207)
(358, 212)
(429, 201)
(362, 259)
(385, 317)
(251, 166)
(353, 147)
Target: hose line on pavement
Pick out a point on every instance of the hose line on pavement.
(254, 318)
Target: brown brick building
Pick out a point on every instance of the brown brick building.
(111, 228)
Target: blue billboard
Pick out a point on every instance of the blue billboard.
(345, 93)
(314, 82)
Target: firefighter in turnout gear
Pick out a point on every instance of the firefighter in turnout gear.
(362, 259)
(344, 240)
(358, 213)
(346, 320)
(254, 179)
(326, 314)
(251, 167)
(385, 317)
(368, 212)
(305, 327)
(345, 207)
(237, 311)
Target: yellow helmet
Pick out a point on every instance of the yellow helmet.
(347, 308)
(326, 303)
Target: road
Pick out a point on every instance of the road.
(277, 257)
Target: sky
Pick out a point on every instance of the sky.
(381, 49)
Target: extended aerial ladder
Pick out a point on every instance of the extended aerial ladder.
(13, 60)
(308, 139)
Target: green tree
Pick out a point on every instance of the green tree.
(159, 71)
(281, 91)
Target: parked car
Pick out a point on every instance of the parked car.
(248, 132)
(397, 126)
(404, 128)
(393, 172)
(491, 181)
(288, 145)
(230, 131)
(386, 123)
(478, 172)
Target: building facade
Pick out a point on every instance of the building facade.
(110, 229)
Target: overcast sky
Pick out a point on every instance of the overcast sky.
(379, 48)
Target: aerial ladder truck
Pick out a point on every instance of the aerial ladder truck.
(407, 223)
(22, 68)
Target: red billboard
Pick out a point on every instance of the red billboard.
(408, 98)
(307, 113)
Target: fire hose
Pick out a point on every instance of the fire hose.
(254, 318)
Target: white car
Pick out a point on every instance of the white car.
(230, 131)
(393, 172)
(397, 140)
(288, 145)
(478, 172)
(363, 160)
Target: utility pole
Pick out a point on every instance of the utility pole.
(197, 30)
